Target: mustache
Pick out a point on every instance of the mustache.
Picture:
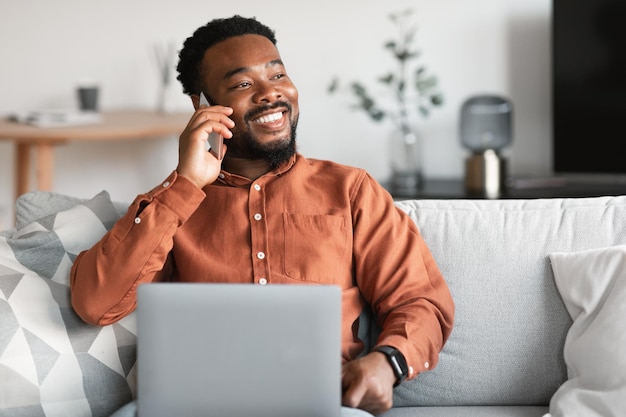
(254, 113)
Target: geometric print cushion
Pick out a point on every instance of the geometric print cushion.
(51, 362)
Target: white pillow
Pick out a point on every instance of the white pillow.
(51, 362)
(593, 286)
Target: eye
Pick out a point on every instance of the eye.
(243, 84)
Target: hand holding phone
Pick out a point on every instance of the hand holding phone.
(216, 141)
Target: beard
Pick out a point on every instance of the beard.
(247, 146)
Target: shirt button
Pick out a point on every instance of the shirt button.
(426, 365)
(260, 255)
(262, 281)
(257, 187)
(258, 216)
(166, 184)
(137, 220)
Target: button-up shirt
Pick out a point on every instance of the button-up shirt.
(306, 222)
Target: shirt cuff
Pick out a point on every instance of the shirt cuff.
(178, 194)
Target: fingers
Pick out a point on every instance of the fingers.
(364, 387)
(194, 162)
(212, 119)
(359, 395)
(203, 122)
(353, 395)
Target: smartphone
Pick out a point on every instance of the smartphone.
(216, 141)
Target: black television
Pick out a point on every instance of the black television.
(589, 88)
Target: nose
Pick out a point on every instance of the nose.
(266, 92)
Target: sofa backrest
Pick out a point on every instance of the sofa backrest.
(506, 347)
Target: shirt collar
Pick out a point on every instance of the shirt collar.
(228, 178)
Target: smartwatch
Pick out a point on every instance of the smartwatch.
(397, 362)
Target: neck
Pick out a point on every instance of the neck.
(248, 168)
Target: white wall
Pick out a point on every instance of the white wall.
(473, 46)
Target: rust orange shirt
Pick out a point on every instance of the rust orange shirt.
(307, 222)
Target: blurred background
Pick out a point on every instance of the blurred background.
(474, 47)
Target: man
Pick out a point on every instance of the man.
(266, 215)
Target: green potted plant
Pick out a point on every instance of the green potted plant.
(405, 92)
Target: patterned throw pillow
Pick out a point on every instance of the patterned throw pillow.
(51, 362)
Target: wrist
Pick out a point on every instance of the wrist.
(396, 361)
(190, 178)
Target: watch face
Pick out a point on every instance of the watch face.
(486, 123)
(402, 366)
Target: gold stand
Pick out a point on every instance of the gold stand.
(485, 173)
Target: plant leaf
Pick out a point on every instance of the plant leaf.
(387, 79)
(333, 86)
(425, 84)
(436, 100)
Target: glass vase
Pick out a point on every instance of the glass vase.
(406, 163)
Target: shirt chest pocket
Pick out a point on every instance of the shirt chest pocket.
(316, 247)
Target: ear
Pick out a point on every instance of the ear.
(195, 100)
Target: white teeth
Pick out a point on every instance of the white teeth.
(269, 118)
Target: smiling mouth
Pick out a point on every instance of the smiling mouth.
(269, 118)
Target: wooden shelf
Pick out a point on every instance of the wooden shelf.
(119, 125)
(455, 189)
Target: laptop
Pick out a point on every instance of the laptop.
(238, 350)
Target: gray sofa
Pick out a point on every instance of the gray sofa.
(527, 339)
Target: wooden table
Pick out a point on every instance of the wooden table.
(119, 125)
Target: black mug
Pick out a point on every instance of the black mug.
(88, 98)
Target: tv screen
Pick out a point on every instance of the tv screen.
(589, 86)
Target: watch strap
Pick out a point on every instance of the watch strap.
(396, 361)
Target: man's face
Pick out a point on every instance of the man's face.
(246, 73)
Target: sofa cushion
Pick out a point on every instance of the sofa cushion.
(34, 205)
(506, 347)
(51, 362)
(473, 411)
(593, 286)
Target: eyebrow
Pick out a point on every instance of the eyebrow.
(241, 70)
